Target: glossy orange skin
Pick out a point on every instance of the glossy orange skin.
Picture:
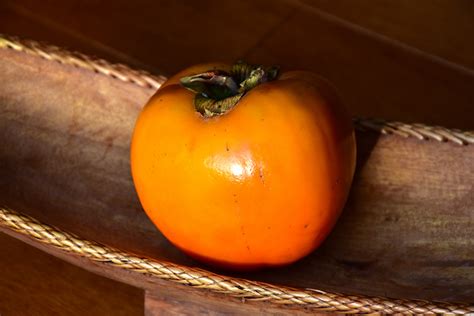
(261, 185)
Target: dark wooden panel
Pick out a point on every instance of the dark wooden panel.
(171, 301)
(35, 283)
(164, 297)
(165, 35)
(438, 27)
(375, 77)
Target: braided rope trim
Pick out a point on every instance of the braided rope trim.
(147, 80)
(238, 288)
(416, 130)
(54, 53)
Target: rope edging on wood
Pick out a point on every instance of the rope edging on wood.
(147, 80)
(417, 130)
(57, 54)
(198, 278)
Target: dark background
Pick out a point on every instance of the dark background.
(398, 59)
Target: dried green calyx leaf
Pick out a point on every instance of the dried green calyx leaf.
(217, 91)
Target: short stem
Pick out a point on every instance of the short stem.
(217, 91)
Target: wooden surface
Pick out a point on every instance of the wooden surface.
(172, 302)
(66, 133)
(35, 283)
(421, 77)
(163, 297)
(145, 34)
(436, 27)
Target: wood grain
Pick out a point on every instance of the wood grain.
(405, 231)
(376, 76)
(165, 297)
(35, 283)
(437, 27)
(172, 302)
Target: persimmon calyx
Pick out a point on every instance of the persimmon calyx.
(218, 91)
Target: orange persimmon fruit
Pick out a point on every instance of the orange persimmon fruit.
(242, 167)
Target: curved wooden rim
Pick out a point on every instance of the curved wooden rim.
(147, 80)
(309, 298)
(198, 278)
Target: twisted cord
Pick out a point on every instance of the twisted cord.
(54, 53)
(239, 288)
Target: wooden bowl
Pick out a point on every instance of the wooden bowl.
(65, 127)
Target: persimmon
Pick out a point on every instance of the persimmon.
(243, 167)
